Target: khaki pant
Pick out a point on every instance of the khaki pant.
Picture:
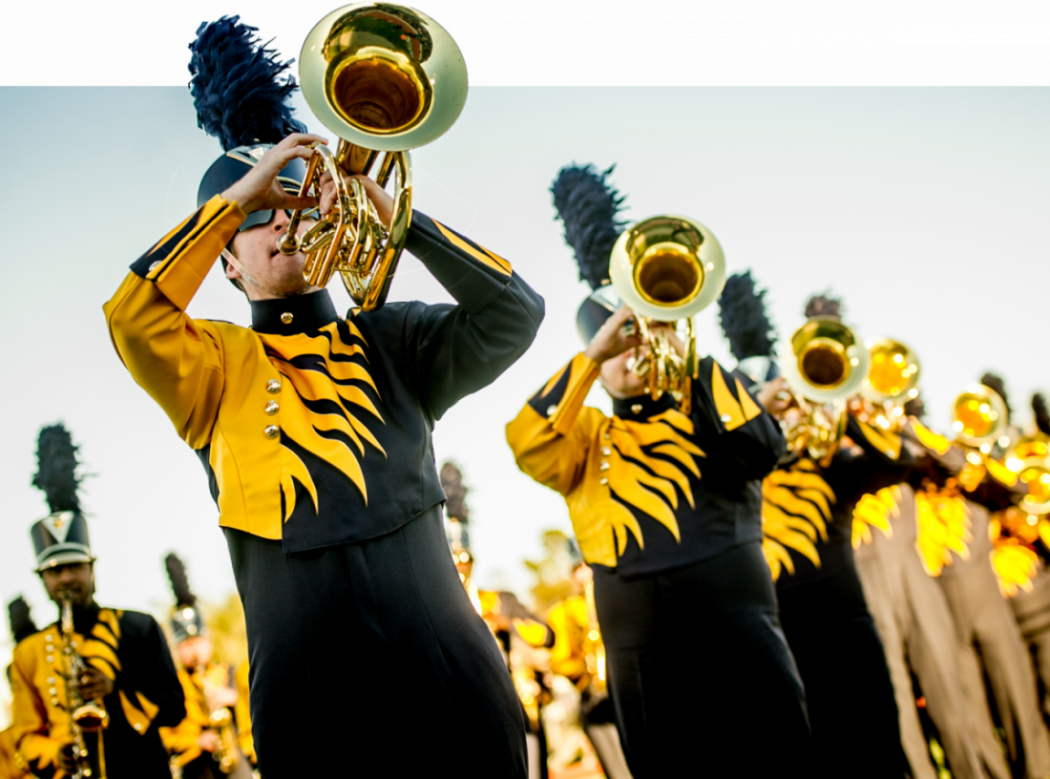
(1032, 610)
(917, 631)
(990, 644)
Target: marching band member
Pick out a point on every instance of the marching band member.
(315, 433)
(897, 560)
(22, 626)
(807, 512)
(666, 510)
(95, 665)
(206, 744)
(1031, 601)
(989, 641)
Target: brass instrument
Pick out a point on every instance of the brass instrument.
(595, 657)
(220, 720)
(84, 716)
(893, 380)
(384, 78)
(1029, 458)
(823, 363)
(979, 417)
(666, 269)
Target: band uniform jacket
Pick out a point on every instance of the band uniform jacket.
(130, 649)
(181, 741)
(808, 511)
(651, 488)
(302, 419)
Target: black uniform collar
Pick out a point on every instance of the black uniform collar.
(294, 315)
(642, 406)
(84, 618)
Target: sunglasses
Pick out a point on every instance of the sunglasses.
(256, 218)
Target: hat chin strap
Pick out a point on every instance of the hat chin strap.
(258, 284)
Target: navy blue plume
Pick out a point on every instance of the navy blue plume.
(57, 467)
(239, 88)
(742, 313)
(20, 620)
(995, 382)
(588, 207)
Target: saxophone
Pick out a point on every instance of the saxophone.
(221, 721)
(84, 716)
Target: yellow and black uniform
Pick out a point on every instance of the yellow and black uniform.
(242, 715)
(129, 648)
(181, 741)
(11, 767)
(315, 432)
(666, 509)
(808, 522)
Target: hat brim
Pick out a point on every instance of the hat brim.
(64, 558)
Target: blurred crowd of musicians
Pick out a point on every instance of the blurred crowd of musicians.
(777, 568)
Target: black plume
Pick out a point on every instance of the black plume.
(455, 492)
(57, 466)
(588, 207)
(180, 584)
(915, 407)
(20, 620)
(995, 382)
(1042, 413)
(239, 88)
(823, 305)
(742, 312)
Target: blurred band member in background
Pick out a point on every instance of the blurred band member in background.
(206, 744)
(114, 662)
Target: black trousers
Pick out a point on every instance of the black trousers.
(701, 678)
(368, 660)
(852, 708)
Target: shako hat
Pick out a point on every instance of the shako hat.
(457, 514)
(61, 537)
(589, 209)
(746, 326)
(186, 619)
(240, 91)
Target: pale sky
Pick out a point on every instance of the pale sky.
(924, 208)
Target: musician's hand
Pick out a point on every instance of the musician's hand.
(221, 698)
(94, 684)
(611, 340)
(259, 189)
(66, 762)
(774, 397)
(208, 740)
(380, 199)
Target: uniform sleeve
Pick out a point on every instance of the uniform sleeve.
(181, 740)
(31, 732)
(736, 432)
(177, 360)
(551, 438)
(459, 349)
(148, 685)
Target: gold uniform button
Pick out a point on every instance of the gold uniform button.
(271, 407)
(286, 318)
(606, 451)
(603, 481)
(272, 431)
(154, 265)
(273, 386)
(636, 408)
(604, 467)
(726, 418)
(551, 410)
